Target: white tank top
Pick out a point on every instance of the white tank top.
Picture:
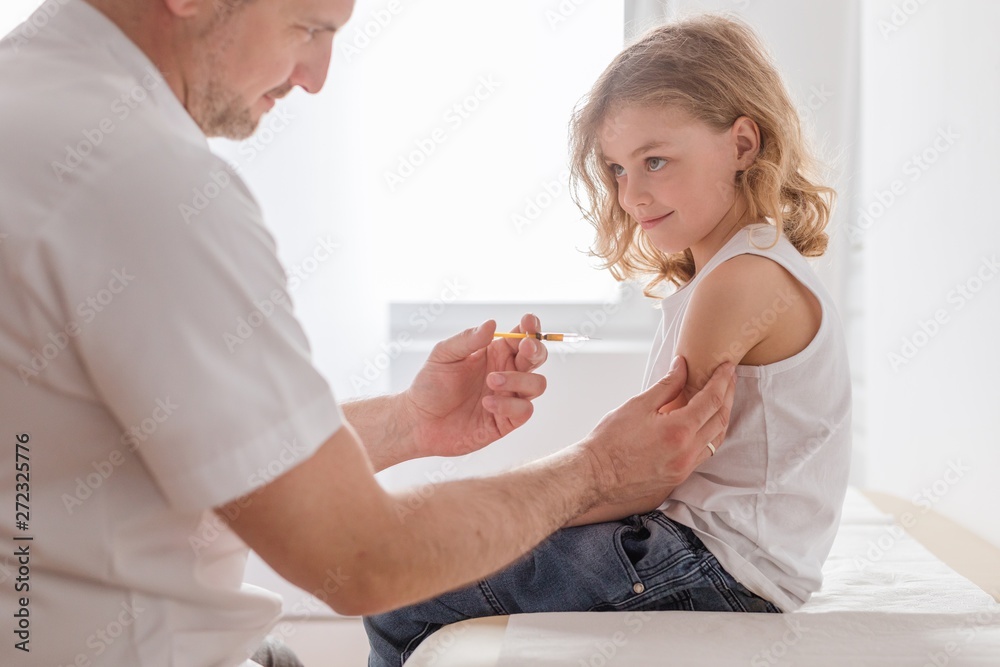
(768, 504)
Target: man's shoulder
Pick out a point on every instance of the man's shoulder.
(80, 133)
(81, 98)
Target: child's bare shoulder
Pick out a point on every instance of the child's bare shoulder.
(752, 310)
(746, 284)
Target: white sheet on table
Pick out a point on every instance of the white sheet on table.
(875, 565)
(833, 639)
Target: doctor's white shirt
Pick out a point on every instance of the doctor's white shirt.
(151, 367)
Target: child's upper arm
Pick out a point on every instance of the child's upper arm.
(748, 310)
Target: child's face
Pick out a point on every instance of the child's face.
(676, 175)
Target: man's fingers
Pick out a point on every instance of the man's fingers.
(721, 416)
(463, 344)
(667, 388)
(703, 456)
(710, 408)
(524, 385)
(530, 323)
(517, 410)
(529, 353)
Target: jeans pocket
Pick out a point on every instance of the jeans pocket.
(632, 545)
(657, 556)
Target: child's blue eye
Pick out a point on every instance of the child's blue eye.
(617, 170)
(656, 163)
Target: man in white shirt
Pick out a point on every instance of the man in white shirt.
(137, 433)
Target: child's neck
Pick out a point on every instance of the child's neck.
(729, 226)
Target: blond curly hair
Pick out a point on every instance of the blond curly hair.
(715, 69)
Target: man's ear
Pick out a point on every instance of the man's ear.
(746, 136)
(185, 8)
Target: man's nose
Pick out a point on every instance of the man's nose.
(310, 73)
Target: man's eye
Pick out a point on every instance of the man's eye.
(656, 163)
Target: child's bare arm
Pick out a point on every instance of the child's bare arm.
(748, 310)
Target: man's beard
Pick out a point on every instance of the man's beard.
(222, 113)
(218, 110)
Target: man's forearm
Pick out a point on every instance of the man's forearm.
(328, 525)
(616, 512)
(384, 430)
(456, 533)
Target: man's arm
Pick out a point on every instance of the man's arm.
(327, 525)
(384, 428)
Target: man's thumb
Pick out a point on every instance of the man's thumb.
(669, 386)
(461, 345)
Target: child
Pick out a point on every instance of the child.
(690, 162)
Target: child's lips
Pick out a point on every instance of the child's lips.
(649, 223)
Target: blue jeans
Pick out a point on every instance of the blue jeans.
(642, 563)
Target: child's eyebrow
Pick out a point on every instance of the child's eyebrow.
(649, 145)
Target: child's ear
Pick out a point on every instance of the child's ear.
(746, 136)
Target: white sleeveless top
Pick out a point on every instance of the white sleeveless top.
(768, 504)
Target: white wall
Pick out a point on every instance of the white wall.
(929, 127)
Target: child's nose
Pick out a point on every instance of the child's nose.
(634, 193)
